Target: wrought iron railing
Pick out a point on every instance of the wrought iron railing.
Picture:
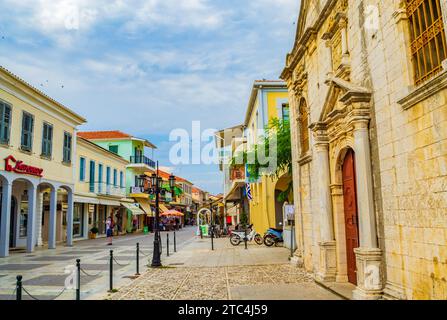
(142, 160)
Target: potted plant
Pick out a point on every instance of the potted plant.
(93, 232)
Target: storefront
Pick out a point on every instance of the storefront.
(100, 189)
(36, 176)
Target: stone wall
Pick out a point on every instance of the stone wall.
(408, 144)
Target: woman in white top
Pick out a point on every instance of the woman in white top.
(109, 230)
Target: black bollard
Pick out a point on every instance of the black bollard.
(167, 244)
(245, 239)
(212, 238)
(78, 279)
(111, 271)
(175, 242)
(201, 233)
(138, 259)
(291, 241)
(19, 288)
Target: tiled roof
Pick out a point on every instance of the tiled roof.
(165, 175)
(112, 134)
(196, 190)
(93, 135)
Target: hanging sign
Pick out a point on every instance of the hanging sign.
(13, 165)
(289, 211)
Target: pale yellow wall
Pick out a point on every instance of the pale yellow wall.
(54, 169)
(272, 100)
(262, 208)
(93, 152)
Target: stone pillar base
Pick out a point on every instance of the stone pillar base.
(369, 274)
(393, 291)
(328, 262)
(297, 260)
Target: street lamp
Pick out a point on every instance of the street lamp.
(156, 189)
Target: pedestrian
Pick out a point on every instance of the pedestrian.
(109, 230)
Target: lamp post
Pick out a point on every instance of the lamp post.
(156, 188)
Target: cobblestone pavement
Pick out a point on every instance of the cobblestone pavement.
(44, 274)
(207, 283)
(189, 276)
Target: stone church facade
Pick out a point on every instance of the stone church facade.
(367, 83)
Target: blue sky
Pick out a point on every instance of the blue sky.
(148, 67)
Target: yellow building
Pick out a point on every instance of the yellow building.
(269, 100)
(36, 144)
(100, 190)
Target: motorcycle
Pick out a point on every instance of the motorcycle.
(273, 237)
(238, 236)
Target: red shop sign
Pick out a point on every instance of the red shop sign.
(21, 168)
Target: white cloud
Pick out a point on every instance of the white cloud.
(63, 20)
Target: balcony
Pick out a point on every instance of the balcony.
(107, 189)
(142, 160)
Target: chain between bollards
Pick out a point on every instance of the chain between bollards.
(111, 271)
(167, 244)
(19, 288)
(78, 279)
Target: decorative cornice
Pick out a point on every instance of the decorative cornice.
(424, 91)
(301, 45)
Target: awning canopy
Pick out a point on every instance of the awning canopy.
(80, 199)
(144, 203)
(133, 208)
(163, 208)
(172, 213)
(109, 202)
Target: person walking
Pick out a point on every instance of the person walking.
(109, 230)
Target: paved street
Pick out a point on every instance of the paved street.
(43, 271)
(198, 273)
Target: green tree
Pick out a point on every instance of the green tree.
(281, 130)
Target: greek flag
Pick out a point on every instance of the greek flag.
(248, 191)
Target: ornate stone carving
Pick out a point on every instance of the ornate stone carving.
(369, 274)
(328, 262)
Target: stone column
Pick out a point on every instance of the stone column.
(70, 204)
(39, 213)
(85, 215)
(31, 227)
(368, 255)
(364, 184)
(329, 54)
(344, 37)
(52, 222)
(5, 218)
(294, 123)
(327, 243)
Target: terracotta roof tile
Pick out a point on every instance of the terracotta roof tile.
(92, 135)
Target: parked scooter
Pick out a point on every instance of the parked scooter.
(238, 236)
(273, 237)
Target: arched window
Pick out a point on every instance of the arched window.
(304, 127)
(428, 43)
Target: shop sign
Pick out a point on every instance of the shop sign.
(13, 165)
(237, 173)
(136, 190)
(289, 211)
(168, 197)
